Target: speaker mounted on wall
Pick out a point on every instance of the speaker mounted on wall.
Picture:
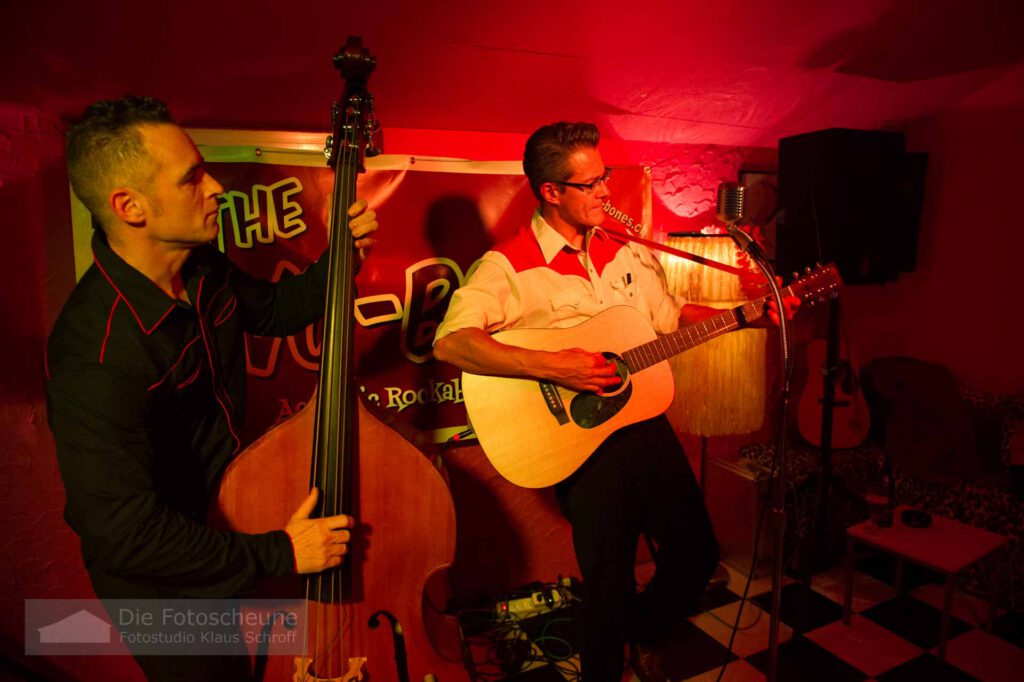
(852, 197)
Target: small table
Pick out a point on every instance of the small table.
(946, 546)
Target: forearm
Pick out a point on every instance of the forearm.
(473, 350)
(476, 351)
(293, 303)
(142, 540)
(128, 529)
(284, 307)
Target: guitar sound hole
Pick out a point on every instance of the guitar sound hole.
(622, 371)
(589, 410)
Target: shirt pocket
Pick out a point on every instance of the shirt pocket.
(624, 288)
(567, 302)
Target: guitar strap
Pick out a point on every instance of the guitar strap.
(621, 236)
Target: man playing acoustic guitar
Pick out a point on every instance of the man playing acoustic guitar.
(558, 273)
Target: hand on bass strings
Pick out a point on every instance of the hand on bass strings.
(318, 544)
(363, 224)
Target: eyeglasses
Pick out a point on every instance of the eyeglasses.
(587, 187)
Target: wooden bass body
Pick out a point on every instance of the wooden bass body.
(403, 545)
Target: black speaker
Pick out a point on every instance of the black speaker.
(848, 197)
(915, 164)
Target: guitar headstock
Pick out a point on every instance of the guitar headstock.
(353, 122)
(817, 285)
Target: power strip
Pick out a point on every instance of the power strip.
(541, 601)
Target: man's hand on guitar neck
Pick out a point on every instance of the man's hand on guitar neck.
(790, 303)
(691, 313)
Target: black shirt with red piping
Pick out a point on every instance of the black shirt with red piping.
(145, 396)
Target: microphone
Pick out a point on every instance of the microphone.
(730, 206)
(731, 202)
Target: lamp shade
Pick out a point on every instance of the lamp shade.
(720, 385)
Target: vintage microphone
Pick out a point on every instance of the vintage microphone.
(730, 207)
(731, 204)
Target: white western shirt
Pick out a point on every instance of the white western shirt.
(537, 280)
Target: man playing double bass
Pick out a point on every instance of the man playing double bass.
(146, 377)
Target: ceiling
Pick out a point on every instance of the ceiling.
(727, 72)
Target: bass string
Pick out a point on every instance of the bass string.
(330, 478)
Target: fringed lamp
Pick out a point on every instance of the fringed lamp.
(720, 385)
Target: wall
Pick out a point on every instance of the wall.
(957, 308)
(40, 556)
(960, 307)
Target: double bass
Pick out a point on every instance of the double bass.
(376, 469)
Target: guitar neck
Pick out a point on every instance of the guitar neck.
(693, 335)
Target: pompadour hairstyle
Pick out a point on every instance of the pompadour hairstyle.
(105, 149)
(546, 157)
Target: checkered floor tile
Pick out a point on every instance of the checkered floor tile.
(892, 637)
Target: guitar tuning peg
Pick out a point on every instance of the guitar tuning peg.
(796, 273)
(372, 130)
(807, 269)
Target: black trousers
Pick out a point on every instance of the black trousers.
(638, 481)
(196, 668)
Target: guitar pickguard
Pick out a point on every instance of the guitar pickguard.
(590, 409)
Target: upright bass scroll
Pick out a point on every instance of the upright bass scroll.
(366, 465)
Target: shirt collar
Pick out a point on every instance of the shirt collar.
(148, 303)
(551, 242)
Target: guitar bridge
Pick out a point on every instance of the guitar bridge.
(554, 401)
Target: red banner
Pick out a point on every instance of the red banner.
(436, 217)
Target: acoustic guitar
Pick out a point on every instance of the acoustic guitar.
(850, 417)
(537, 433)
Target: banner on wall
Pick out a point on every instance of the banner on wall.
(437, 216)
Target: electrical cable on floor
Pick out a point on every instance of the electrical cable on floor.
(508, 647)
(750, 576)
(734, 626)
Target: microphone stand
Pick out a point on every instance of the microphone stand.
(778, 489)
